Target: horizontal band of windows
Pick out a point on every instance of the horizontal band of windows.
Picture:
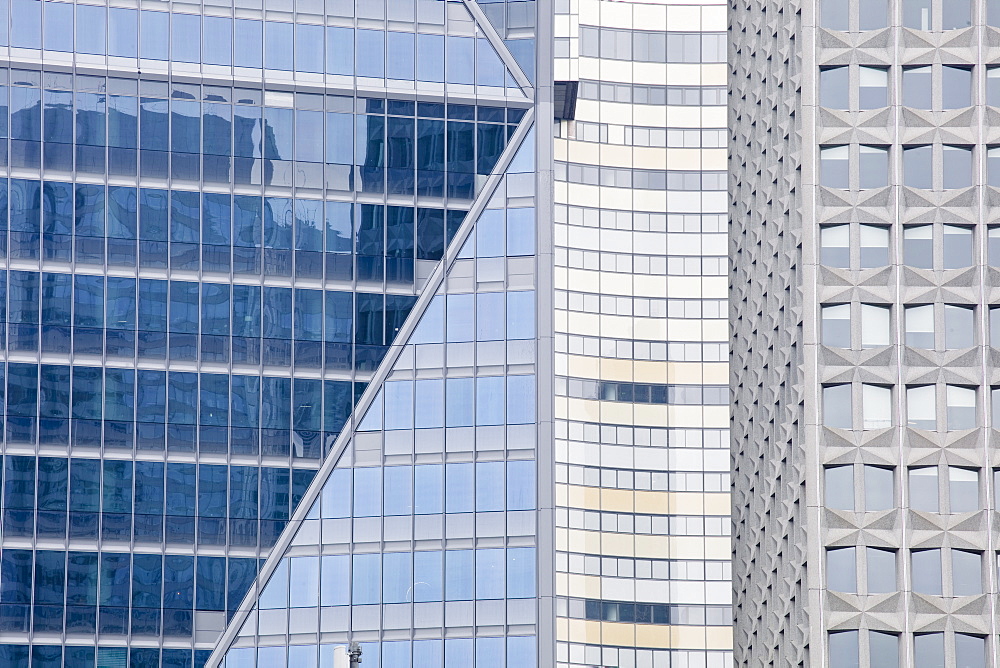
(643, 393)
(629, 479)
(642, 265)
(654, 525)
(696, 570)
(614, 434)
(639, 221)
(642, 179)
(148, 502)
(652, 46)
(254, 44)
(632, 349)
(646, 613)
(54, 655)
(694, 96)
(697, 309)
(595, 655)
(633, 135)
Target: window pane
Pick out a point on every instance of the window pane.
(926, 571)
(874, 326)
(957, 163)
(963, 489)
(920, 326)
(881, 571)
(924, 489)
(873, 90)
(970, 651)
(874, 246)
(834, 167)
(837, 406)
(920, 407)
(959, 327)
(918, 246)
(834, 90)
(918, 87)
(967, 571)
(837, 326)
(835, 250)
(840, 487)
(835, 14)
(957, 248)
(928, 650)
(841, 570)
(961, 403)
(879, 486)
(918, 167)
(884, 649)
(876, 406)
(844, 649)
(956, 82)
(874, 167)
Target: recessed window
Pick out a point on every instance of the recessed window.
(918, 87)
(841, 15)
(835, 246)
(918, 246)
(837, 406)
(966, 573)
(883, 649)
(993, 167)
(876, 407)
(874, 326)
(923, 484)
(920, 326)
(995, 326)
(879, 488)
(918, 169)
(925, 572)
(957, 166)
(959, 327)
(956, 85)
(839, 484)
(880, 569)
(970, 651)
(963, 490)
(874, 246)
(844, 649)
(837, 325)
(835, 169)
(873, 88)
(835, 87)
(956, 246)
(841, 570)
(928, 650)
(874, 167)
(961, 405)
(921, 407)
(918, 14)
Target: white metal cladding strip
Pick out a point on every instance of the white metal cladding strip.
(316, 487)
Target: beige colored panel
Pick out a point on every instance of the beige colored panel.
(684, 17)
(651, 415)
(612, 369)
(685, 372)
(684, 158)
(617, 326)
(647, 371)
(651, 286)
(685, 74)
(714, 74)
(649, 16)
(585, 152)
(715, 373)
(685, 416)
(654, 201)
(582, 586)
(618, 500)
(714, 117)
(616, 413)
(584, 323)
(650, 157)
(715, 330)
(714, 18)
(619, 156)
(587, 367)
(714, 159)
(649, 329)
(586, 410)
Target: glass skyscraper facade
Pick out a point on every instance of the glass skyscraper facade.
(284, 354)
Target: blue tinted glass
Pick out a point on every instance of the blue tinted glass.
(521, 485)
(155, 30)
(490, 70)
(459, 576)
(397, 578)
(489, 574)
(249, 40)
(430, 58)
(91, 23)
(366, 579)
(458, 652)
(336, 577)
(123, 33)
(428, 584)
(58, 26)
(428, 492)
(459, 481)
(26, 24)
(399, 405)
(308, 48)
(398, 490)
(520, 231)
(371, 53)
(461, 60)
(340, 51)
(520, 399)
(489, 486)
(278, 46)
(367, 492)
(489, 400)
(400, 59)
(521, 315)
(489, 653)
(218, 40)
(459, 402)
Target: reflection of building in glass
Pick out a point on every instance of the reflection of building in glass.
(294, 264)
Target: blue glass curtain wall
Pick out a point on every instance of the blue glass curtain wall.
(427, 520)
(176, 411)
(128, 37)
(191, 321)
(223, 136)
(147, 502)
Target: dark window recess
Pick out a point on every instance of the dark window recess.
(564, 101)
